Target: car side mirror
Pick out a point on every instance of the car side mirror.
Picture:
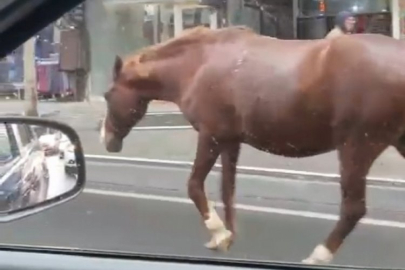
(41, 166)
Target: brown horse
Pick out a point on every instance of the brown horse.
(286, 97)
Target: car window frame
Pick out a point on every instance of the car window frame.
(36, 15)
(11, 140)
(25, 137)
(22, 19)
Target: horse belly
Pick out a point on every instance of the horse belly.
(291, 141)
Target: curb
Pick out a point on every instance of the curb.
(158, 127)
(47, 114)
(164, 113)
(50, 114)
(271, 172)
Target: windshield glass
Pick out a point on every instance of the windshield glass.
(5, 3)
(258, 92)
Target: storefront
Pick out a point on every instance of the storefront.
(399, 28)
(124, 26)
(315, 18)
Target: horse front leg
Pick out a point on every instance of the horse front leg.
(207, 154)
(229, 158)
(355, 162)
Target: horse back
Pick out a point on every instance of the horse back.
(367, 85)
(309, 94)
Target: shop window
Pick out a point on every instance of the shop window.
(357, 6)
(332, 7)
(309, 7)
(131, 25)
(271, 18)
(372, 16)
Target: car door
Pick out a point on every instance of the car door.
(11, 169)
(32, 155)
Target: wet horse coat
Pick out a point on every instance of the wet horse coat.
(287, 97)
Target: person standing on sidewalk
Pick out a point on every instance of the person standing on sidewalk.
(344, 25)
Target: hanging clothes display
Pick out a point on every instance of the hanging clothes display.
(71, 53)
(49, 78)
(42, 78)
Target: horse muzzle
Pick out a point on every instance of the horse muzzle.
(110, 141)
(113, 145)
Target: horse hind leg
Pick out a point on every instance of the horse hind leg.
(207, 154)
(356, 158)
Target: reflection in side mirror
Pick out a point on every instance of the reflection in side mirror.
(41, 165)
(60, 160)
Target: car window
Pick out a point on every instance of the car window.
(254, 90)
(26, 134)
(5, 145)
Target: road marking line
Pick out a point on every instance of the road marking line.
(164, 113)
(162, 128)
(243, 168)
(251, 177)
(251, 208)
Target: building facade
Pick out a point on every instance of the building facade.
(124, 26)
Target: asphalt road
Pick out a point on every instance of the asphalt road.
(145, 209)
(180, 145)
(152, 120)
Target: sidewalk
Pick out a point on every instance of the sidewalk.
(77, 114)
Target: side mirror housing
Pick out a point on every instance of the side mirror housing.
(41, 165)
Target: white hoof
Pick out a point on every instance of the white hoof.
(320, 255)
(220, 240)
(214, 222)
(221, 237)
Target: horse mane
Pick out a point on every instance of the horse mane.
(175, 46)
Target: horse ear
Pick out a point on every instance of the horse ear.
(117, 66)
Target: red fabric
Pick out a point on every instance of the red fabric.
(42, 78)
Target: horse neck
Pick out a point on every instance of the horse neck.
(176, 73)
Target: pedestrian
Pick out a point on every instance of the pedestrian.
(344, 25)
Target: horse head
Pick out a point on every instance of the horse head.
(144, 77)
(127, 100)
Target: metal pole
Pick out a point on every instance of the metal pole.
(295, 17)
(30, 79)
(395, 19)
(213, 18)
(156, 23)
(178, 20)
